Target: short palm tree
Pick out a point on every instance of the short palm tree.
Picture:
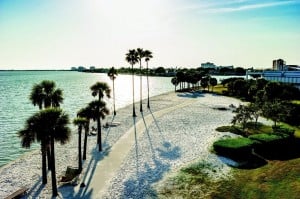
(81, 123)
(98, 111)
(50, 123)
(140, 56)
(45, 94)
(131, 58)
(100, 89)
(85, 113)
(148, 56)
(112, 73)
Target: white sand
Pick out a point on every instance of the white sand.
(171, 141)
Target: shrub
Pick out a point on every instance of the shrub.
(269, 138)
(234, 148)
(231, 129)
(273, 145)
(283, 130)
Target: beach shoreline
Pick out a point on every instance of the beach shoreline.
(12, 173)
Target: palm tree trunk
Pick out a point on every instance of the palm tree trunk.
(133, 107)
(99, 134)
(44, 162)
(85, 141)
(53, 172)
(141, 105)
(114, 97)
(49, 156)
(79, 150)
(148, 103)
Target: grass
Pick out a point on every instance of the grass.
(277, 179)
(219, 89)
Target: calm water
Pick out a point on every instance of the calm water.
(15, 106)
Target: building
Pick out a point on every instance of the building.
(279, 64)
(208, 65)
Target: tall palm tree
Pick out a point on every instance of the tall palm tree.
(85, 113)
(148, 56)
(48, 123)
(98, 111)
(100, 89)
(131, 57)
(80, 122)
(112, 73)
(140, 56)
(45, 94)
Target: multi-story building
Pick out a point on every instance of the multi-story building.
(279, 64)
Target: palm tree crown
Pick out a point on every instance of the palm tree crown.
(45, 95)
(100, 88)
(132, 57)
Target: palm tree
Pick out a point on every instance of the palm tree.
(80, 122)
(48, 123)
(131, 57)
(85, 113)
(98, 111)
(46, 95)
(112, 73)
(140, 56)
(100, 89)
(148, 56)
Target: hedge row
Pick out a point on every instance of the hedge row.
(241, 148)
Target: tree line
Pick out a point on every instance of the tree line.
(191, 79)
(273, 100)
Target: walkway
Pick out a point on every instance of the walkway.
(110, 164)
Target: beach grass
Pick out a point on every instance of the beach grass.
(277, 179)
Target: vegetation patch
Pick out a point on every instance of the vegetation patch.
(236, 148)
(278, 179)
(193, 181)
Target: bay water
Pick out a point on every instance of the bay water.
(15, 106)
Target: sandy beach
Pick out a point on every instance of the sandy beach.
(177, 130)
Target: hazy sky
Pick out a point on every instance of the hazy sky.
(59, 34)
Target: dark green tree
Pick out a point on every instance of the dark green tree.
(99, 111)
(45, 95)
(48, 123)
(80, 122)
(243, 115)
(100, 89)
(213, 82)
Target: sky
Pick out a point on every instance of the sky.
(60, 34)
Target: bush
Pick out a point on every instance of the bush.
(239, 148)
(269, 138)
(273, 145)
(231, 129)
(283, 130)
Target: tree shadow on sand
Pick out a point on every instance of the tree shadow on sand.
(68, 191)
(149, 173)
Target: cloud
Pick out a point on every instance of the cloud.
(243, 5)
